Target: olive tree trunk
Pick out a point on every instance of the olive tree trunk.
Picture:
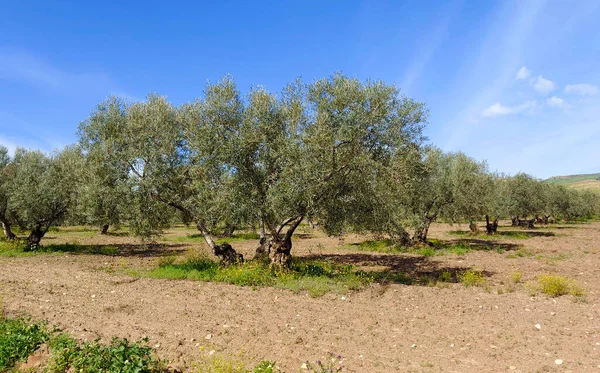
(104, 229)
(422, 230)
(7, 231)
(224, 251)
(491, 228)
(34, 238)
(473, 227)
(278, 245)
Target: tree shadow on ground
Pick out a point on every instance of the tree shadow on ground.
(117, 234)
(476, 244)
(400, 269)
(122, 250)
(505, 234)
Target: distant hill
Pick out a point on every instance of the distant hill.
(588, 181)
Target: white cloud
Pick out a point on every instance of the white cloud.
(557, 102)
(523, 73)
(498, 109)
(582, 89)
(543, 86)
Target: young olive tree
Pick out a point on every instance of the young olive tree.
(43, 189)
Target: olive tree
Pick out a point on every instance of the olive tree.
(521, 196)
(174, 157)
(270, 159)
(104, 197)
(5, 176)
(316, 151)
(43, 189)
(423, 186)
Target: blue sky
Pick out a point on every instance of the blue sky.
(513, 82)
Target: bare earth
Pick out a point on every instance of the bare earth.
(385, 328)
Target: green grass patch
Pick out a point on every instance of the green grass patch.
(19, 338)
(119, 355)
(521, 253)
(317, 277)
(16, 248)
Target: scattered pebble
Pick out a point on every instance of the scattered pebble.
(303, 366)
(553, 313)
(413, 345)
(452, 345)
(538, 326)
(208, 336)
(343, 298)
(93, 295)
(558, 362)
(512, 367)
(493, 347)
(157, 345)
(211, 353)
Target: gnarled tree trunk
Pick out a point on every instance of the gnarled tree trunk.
(526, 223)
(281, 247)
(224, 251)
(514, 221)
(473, 227)
(491, 228)
(7, 231)
(34, 238)
(104, 229)
(421, 231)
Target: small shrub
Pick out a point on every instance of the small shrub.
(516, 277)
(555, 286)
(19, 338)
(472, 278)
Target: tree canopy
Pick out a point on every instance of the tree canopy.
(345, 153)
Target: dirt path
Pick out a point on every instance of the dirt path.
(395, 328)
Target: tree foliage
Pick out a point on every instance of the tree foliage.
(345, 153)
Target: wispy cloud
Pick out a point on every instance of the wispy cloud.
(582, 89)
(523, 73)
(543, 86)
(557, 102)
(22, 66)
(498, 109)
(433, 42)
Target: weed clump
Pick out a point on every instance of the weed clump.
(472, 278)
(556, 286)
(19, 338)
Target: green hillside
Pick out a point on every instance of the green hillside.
(587, 181)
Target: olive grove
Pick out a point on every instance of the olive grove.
(347, 154)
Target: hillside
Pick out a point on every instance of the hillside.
(587, 181)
